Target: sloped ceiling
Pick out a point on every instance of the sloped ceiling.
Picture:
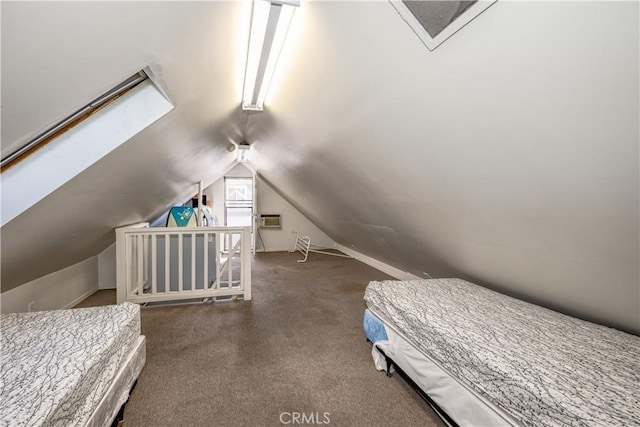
(57, 56)
(508, 156)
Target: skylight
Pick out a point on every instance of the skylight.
(73, 119)
(63, 151)
(436, 21)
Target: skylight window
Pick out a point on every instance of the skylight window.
(63, 151)
(73, 119)
(436, 21)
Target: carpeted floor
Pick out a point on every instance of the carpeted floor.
(297, 346)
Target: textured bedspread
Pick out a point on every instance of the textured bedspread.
(540, 366)
(57, 365)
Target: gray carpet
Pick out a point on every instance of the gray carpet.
(297, 346)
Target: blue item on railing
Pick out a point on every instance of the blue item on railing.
(181, 216)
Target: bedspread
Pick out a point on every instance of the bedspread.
(540, 366)
(57, 365)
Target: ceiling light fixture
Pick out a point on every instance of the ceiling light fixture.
(242, 151)
(270, 21)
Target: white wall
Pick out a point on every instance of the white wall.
(62, 289)
(508, 156)
(37, 176)
(107, 268)
(269, 201)
(157, 167)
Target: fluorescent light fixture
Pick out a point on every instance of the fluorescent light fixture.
(270, 21)
(242, 151)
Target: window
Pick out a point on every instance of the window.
(238, 204)
(436, 21)
(73, 119)
(75, 143)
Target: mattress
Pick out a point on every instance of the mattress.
(538, 366)
(57, 366)
(467, 407)
(118, 392)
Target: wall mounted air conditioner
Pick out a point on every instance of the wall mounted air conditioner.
(270, 221)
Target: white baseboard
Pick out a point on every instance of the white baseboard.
(81, 298)
(378, 265)
(60, 289)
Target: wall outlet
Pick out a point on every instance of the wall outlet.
(31, 306)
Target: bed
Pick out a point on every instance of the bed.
(488, 359)
(69, 367)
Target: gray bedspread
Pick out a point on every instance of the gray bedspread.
(57, 365)
(540, 366)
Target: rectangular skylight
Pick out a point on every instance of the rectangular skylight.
(74, 118)
(78, 141)
(436, 21)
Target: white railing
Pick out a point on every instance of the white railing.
(178, 263)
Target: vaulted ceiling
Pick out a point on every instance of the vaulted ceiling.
(57, 56)
(509, 155)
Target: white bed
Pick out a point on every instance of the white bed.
(487, 359)
(69, 367)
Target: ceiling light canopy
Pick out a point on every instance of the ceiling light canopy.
(270, 21)
(242, 151)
